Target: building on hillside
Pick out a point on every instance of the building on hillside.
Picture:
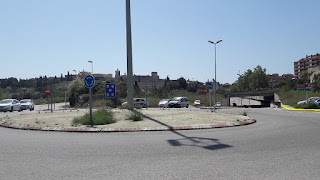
(145, 82)
(305, 63)
(275, 78)
(82, 74)
(315, 71)
(103, 76)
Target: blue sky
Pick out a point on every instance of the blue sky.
(42, 37)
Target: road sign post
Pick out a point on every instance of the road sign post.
(305, 87)
(209, 86)
(89, 83)
(48, 92)
(205, 91)
(110, 90)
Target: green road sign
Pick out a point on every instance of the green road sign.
(304, 89)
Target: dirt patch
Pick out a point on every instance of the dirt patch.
(152, 118)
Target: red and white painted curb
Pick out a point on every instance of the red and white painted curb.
(163, 128)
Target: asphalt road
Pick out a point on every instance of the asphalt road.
(281, 145)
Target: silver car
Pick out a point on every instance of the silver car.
(142, 102)
(27, 104)
(179, 102)
(164, 103)
(10, 105)
(310, 100)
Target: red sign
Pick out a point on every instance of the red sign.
(47, 92)
(205, 90)
(304, 85)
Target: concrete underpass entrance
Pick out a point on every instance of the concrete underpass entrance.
(253, 99)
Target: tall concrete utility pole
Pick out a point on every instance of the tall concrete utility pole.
(215, 72)
(129, 59)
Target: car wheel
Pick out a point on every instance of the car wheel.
(187, 106)
(11, 110)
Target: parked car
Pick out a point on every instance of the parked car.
(138, 102)
(310, 100)
(27, 104)
(10, 105)
(218, 104)
(164, 103)
(179, 102)
(197, 102)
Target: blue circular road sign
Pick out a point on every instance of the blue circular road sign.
(89, 81)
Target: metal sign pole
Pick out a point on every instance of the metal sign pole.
(90, 99)
(89, 83)
(210, 98)
(51, 96)
(51, 102)
(65, 100)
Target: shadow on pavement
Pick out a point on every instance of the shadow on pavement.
(206, 143)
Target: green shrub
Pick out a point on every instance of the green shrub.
(308, 106)
(244, 113)
(100, 117)
(135, 116)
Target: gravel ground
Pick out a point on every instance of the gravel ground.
(153, 118)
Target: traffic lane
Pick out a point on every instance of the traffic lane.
(144, 155)
(257, 151)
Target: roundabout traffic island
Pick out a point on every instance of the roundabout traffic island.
(152, 120)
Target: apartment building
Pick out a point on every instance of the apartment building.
(275, 78)
(305, 63)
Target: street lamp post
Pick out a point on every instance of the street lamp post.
(215, 72)
(75, 73)
(91, 67)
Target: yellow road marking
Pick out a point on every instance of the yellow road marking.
(294, 109)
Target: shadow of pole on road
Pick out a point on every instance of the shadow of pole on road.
(206, 143)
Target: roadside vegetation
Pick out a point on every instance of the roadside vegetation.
(289, 95)
(135, 116)
(100, 117)
(308, 106)
(74, 92)
(78, 94)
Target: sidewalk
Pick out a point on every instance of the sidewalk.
(153, 120)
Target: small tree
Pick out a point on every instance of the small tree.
(1, 93)
(182, 83)
(305, 75)
(74, 88)
(252, 80)
(316, 84)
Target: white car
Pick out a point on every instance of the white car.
(10, 105)
(218, 104)
(197, 102)
(164, 103)
(310, 100)
(138, 102)
(179, 102)
(27, 104)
